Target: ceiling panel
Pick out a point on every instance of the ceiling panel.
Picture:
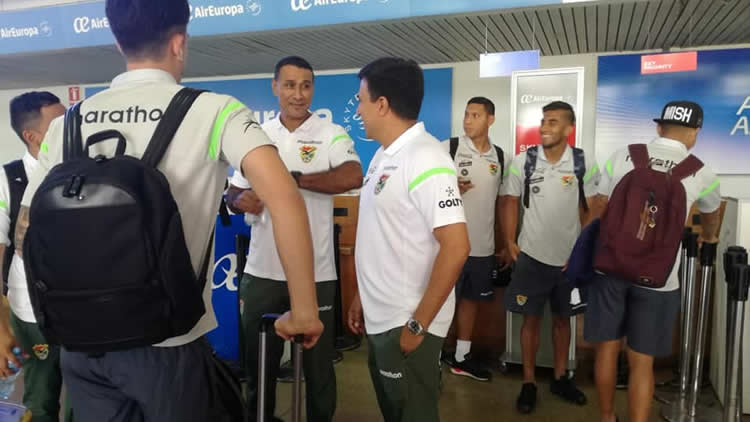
(602, 26)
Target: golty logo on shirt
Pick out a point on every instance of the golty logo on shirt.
(307, 153)
(381, 183)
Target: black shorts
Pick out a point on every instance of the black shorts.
(618, 309)
(475, 281)
(533, 283)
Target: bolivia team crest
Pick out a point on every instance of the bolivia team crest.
(493, 169)
(521, 300)
(568, 180)
(41, 351)
(307, 153)
(381, 183)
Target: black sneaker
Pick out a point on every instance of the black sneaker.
(566, 389)
(471, 368)
(527, 399)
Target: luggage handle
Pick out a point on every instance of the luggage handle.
(105, 135)
(267, 323)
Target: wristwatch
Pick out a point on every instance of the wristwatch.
(415, 327)
(296, 175)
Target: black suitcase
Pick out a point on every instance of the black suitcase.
(267, 329)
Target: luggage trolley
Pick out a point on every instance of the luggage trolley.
(545, 357)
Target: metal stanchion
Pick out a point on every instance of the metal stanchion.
(687, 294)
(738, 280)
(688, 409)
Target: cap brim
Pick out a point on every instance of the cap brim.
(672, 122)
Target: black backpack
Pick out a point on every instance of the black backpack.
(106, 260)
(17, 181)
(498, 150)
(579, 168)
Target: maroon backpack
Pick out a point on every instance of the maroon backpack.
(642, 228)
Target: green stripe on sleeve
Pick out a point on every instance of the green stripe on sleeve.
(609, 168)
(3, 205)
(429, 173)
(515, 171)
(709, 189)
(591, 173)
(213, 148)
(339, 138)
(44, 147)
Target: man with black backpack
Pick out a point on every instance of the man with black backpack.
(554, 182)
(645, 196)
(480, 165)
(30, 117)
(116, 231)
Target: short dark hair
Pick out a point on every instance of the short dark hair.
(143, 27)
(562, 105)
(489, 106)
(26, 109)
(295, 61)
(401, 81)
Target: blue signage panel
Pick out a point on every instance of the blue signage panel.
(85, 24)
(504, 64)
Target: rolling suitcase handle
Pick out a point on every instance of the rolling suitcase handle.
(266, 327)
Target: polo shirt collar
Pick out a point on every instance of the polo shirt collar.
(670, 143)
(307, 128)
(567, 154)
(143, 75)
(473, 147)
(29, 162)
(406, 137)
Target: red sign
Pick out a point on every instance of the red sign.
(74, 94)
(672, 62)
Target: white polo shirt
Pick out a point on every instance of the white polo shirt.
(18, 291)
(483, 168)
(315, 147)
(552, 222)
(409, 191)
(666, 154)
(217, 132)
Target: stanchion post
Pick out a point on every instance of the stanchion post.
(688, 291)
(737, 278)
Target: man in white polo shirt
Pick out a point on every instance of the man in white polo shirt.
(480, 166)
(30, 116)
(555, 191)
(323, 161)
(173, 381)
(619, 308)
(412, 242)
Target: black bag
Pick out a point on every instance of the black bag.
(106, 260)
(17, 181)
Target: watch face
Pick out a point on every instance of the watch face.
(414, 327)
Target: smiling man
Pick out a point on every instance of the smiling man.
(555, 182)
(322, 159)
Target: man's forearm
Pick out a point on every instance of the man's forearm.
(710, 225)
(342, 179)
(445, 271)
(22, 226)
(510, 218)
(2, 263)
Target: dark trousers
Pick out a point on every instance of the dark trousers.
(42, 377)
(147, 384)
(262, 296)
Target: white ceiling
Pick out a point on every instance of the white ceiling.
(594, 27)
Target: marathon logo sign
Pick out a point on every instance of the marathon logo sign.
(130, 115)
(666, 63)
(304, 5)
(678, 114)
(85, 24)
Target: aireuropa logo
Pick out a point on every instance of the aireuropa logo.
(251, 7)
(305, 5)
(41, 30)
(230, 273)
(86, 24)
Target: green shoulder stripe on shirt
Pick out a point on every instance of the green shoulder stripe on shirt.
(44, 147)
(515, 171)
(609, 168)
(3, 205)
(429, 173)
(339, 138)
(213, 148)
(709, 189)
(591, 173)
